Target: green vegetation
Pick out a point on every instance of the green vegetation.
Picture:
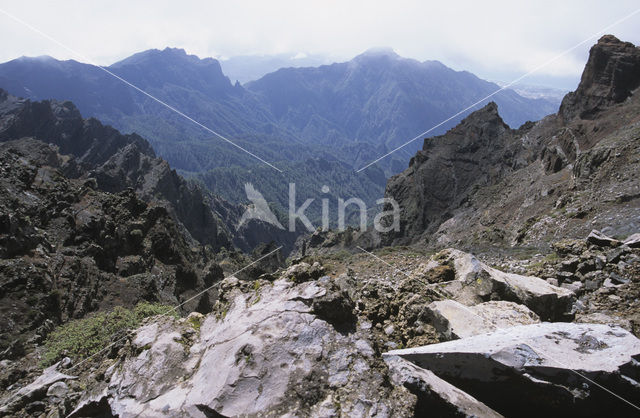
(87, 336)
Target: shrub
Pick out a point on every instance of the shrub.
(87, 336)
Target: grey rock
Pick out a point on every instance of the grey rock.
(601, 240)
(453, 320)
(603, 318)
(34, 391)
(269, 354)
(618, 279)
(58, 389)
(575, 287)
(633, 241)
(476, 282)
(543, 361)
(586, 266)
(302, 272)
(615, 255)
(449, 400)
(570, 265)
(600, 262)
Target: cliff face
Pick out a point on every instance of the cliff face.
(484, 184)
(441, 176)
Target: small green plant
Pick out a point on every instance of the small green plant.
(87, 336)
(552, 257)
(195, 322)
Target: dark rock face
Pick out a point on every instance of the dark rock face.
(152, 178)
(67, 249)
(118, 162)
(610, 76)
(60, 123)
(440, 177)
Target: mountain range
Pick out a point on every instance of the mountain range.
(351, 112)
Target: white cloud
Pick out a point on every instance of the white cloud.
(491, 38)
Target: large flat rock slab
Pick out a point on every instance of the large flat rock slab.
(454, 320)
(532, 370)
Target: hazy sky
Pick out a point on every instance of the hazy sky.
(498, 40)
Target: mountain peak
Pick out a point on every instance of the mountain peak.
(611, 74)
(377, 53)
(381, 51)
(152, 55)
(155, 67)
(487, 114)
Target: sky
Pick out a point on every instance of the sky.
(496, 40)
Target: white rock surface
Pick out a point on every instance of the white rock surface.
(271, 353)
(633, 241)
(454, 320)
(544, 361)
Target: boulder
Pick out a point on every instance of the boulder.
(34, 391)
(540, 369)
(601, 240)
(476, 283)
(454, 320)
(443, 398)
(302, 272)
(633, 241)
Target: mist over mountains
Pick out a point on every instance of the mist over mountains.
(343, 115)
(245, 68)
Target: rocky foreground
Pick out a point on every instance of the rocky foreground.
(310, 342)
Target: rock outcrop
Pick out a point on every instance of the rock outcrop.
(49, 383)
(538, 369)
(441, 176)
(611, 75)
(474, 282)
(67, 248)
(454, 320)
(272, 350)
(484, 184)
(118, 162)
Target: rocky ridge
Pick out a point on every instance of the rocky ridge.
(117, 162)
(483, 184)
(68, 248)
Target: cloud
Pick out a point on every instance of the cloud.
(490, 38)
